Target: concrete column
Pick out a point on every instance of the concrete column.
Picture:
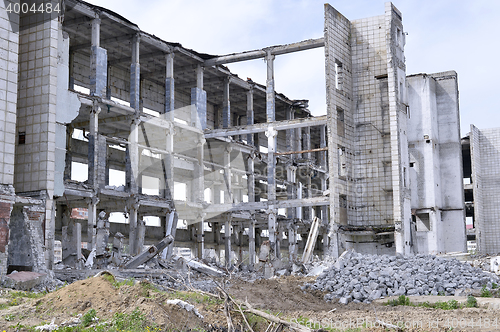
(251, 243)
(299, 196)
(171, 230)
(169, 87)
(271, 188)
(93, 147)
(217, 239)
(292, 242)
(291, 171)
(228, 193)
(322, 144)
(69, 156)
(198, 194)
(291, 175)
(323, 164)
(168, 161)
(251, 177)
(199, 102)
(307, 141)
(226, 105)
(250, 115)
(309, 209)
(132, 237)
(239, 233)
(135, 74)
(132, 158)
(270, 94)
(92, 222)
(227, 240)
(141, 233)
(98, 62)
(77, 235)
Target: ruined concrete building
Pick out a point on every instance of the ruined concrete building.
(481, 158)
(222, 163)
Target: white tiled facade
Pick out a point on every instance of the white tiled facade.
(369, 169)
(9, 46)
(485, 155)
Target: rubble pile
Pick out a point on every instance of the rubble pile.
(363, 278)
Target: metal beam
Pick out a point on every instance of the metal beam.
(274, 50)
(262, 127)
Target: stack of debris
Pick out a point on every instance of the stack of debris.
(364, 278)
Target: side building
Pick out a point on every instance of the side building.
(382, 127)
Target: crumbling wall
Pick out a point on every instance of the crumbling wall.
(485, 155)
(26, 235)
(436, 163)
(340, 121)
(366, 100)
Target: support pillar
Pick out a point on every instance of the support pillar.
(133, 207)
(250, 115)
(98, 62)
(271, 189)
(228, 194)
(226, 105)
(199, 102)
(92, 222)
(171, 230)
(292, 242)
(251, 177)
(227, 240)
(93, 147)
(141, 233)
(251, 243)
(169, 87)
(135, 75)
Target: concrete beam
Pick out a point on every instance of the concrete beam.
(262, 127)
(279, 204)
(274, 50)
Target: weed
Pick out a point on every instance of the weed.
(401, 300)
(494, 286)
(10, 317)
(88, 318)
(485, 292)
(471, 302)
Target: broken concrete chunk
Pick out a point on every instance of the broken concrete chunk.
(203, 268)
(149, 253)
(185, 305)
(23, 280)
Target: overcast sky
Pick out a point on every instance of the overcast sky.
(442, 35)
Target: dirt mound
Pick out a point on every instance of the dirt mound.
(107, 298)
(282, 294)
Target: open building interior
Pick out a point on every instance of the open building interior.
(101, 116)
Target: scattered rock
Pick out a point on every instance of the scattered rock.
(365, 278)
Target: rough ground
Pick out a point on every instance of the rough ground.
(281, 296)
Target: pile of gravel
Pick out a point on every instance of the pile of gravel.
(363, 278)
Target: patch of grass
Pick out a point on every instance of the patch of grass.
(494, 285)
(195, 297)
(450, 305)
(485, 292)
(405, 300)
(471, 302)
(133, 322)
(29, 295)
(401, 300)
(88, 318)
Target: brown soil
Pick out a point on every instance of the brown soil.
(281, 296)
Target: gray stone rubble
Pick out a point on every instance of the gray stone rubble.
(363, 278)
